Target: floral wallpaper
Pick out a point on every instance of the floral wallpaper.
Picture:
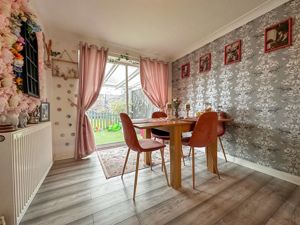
(12, 14)
(261, 93)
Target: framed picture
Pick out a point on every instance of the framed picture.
(205, 63)
(233, 52)
(45, 112)
(185, 70)
(279, 35)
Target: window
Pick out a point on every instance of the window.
(30, 70)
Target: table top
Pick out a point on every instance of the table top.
(164, 122)
(152, 123)
(194, 119)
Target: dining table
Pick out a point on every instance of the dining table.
(176, 127)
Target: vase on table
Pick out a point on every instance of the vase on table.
(176, 113)
(176, 102)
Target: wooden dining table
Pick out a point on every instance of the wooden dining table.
(176, 128)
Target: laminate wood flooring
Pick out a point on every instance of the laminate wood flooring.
(77, 193)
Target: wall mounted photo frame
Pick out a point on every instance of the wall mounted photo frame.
(278, 35)
(205, 63)
(185, 70)
(233, 52)
(45, 112)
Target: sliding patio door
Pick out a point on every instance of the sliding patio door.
(121, 92)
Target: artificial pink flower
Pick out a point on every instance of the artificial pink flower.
(3, 104)
(3, 22)
(7, 56)
(5, 8)
(2, 66)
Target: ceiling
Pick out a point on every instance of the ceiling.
(162, 28)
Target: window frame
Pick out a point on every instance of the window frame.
(30, 70)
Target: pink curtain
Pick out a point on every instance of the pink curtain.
(92, 64)
(154, 80)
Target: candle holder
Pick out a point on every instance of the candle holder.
(169, 111)
(187, 108)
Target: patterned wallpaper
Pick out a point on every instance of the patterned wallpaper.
(261, 93)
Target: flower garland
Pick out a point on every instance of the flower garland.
(12, 14)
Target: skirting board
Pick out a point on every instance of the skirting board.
(263, 169)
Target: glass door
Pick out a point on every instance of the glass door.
(121, 92)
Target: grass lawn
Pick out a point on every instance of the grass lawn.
(107, 137)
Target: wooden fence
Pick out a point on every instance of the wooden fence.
(101, 121)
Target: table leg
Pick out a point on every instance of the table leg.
(175, 157)
(214, 159)
(147, 155)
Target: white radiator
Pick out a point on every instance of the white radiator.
(25, 159)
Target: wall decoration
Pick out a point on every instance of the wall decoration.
(123, 58)
(65, 87)
(185, 70)
(12, 15)
(279, 35)
(59, 69)
(261, 92)
(232, 52)
(45, 112)
(205, 63)
(49, 52)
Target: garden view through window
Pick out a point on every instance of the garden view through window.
(121, 92)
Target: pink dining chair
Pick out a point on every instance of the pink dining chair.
(221, 131)
(204, 133)
(139, 146)
(160, 134)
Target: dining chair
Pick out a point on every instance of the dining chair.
(160, 134)
(139, 146)
(204, 133)
(221, 131)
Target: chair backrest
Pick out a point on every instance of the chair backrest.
(159, 114)
(221, 125)
(129, 132)
(205, 130)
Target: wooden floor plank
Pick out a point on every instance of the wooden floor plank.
(182, 203)
(89, 220)
(133, 220)
(222, 202)
(147, 196)
(76, 192)
(259, 207)
(289, 212)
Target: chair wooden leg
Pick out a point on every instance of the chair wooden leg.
(126, 159)
(190, 151)
(163, 152)
(193, 166)
(136, 174)
(151, 164)
(223, 149)
(164, 165)
(214, 165)
(182, 155)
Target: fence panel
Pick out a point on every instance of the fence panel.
(102, 120)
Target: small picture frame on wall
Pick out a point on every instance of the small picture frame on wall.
(205, 63)
(279, 35)
(233, 52)
(45, 112)
(185, 70)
